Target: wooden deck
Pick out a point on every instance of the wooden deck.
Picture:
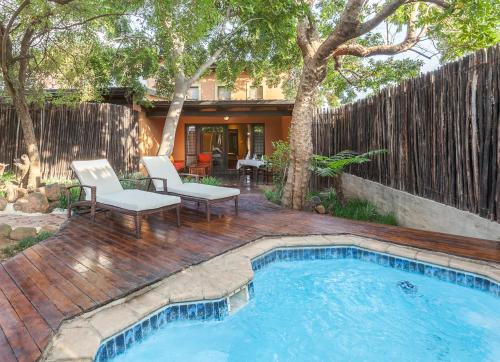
(88, 265)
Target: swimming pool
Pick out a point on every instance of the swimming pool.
(341, 309)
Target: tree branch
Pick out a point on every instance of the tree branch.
(6, 46)
(412, 38)
(349, 27)
(61, 2)
(85, 21)
(23, 54)
(389, 9)
(383, 14)
(211, 59)
(199, 72)
(346, 29)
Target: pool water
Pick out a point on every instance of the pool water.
(339, 310)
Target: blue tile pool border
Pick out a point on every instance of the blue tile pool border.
(207, 310)
(201, 311)
(450, 275)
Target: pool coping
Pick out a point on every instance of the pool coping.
(216, 279)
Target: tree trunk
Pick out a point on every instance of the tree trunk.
(297, 182)
(173, 115)
(23, 113)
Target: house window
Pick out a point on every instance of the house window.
(193, 93)
(256, 92)
(223, 94)
(258, 140)
(191, 145)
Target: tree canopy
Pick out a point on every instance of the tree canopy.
(59, 42)
(344, 46)
(462, 27)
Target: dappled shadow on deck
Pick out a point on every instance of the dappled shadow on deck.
(87, 265)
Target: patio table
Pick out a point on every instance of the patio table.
(251, 163)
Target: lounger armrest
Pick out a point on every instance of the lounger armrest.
(197, 177)
(163, 180)
(93, 191)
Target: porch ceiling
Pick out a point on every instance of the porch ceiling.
(226, 108)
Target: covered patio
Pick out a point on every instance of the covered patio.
(223, 132)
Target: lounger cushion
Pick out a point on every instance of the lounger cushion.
(137, 200)
(98, 173)
(161, 167)
(203, 191)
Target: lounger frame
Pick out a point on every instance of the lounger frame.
(198, 200)
(94, 204)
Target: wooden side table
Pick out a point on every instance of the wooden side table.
(198, 170)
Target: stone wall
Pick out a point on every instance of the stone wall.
(420, 213)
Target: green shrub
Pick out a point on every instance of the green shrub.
(273, 195)
(6, 179)
(211, 180)
(205, 180)
(278, 162)
(26, 243)
(133, 181)
(330, 166)
(363, 210)
(74, 193)
(355, 209)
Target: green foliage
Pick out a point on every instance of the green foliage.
(206, 180)
(211, 180)
(255, 36)
(6, 179)
(274, 195)
(330, 166)
(355, 209)
(25, 243)
(69, 46)
(74, 195)
(133, 181)
(278, 162)
(466, 26)
(365, 75)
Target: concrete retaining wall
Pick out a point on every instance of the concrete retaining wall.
(420, 213)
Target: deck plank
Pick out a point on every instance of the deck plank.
(90, 264)
(20, 341)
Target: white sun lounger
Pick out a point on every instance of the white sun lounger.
(103, 190)
(160, 167)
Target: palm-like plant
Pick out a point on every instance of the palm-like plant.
(330, 166)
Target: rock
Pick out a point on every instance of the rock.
(48, 228)
(2, 168)
(5, 242)
(5, 230)
(52, 191)
(312, 203)
(11, 191)
(21, 192)
(34, 202)
(53, 205)
(3, 203)
(22, 232)
(320, 209)
(315, 200)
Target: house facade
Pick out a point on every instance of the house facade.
(226, 123)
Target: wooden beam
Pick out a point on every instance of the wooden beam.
(163, 113)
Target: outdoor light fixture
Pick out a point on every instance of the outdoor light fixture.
(226, 118)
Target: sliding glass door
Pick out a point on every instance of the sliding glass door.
(213, 140)
(225, 143)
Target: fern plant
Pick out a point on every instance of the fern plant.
(330, 166)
